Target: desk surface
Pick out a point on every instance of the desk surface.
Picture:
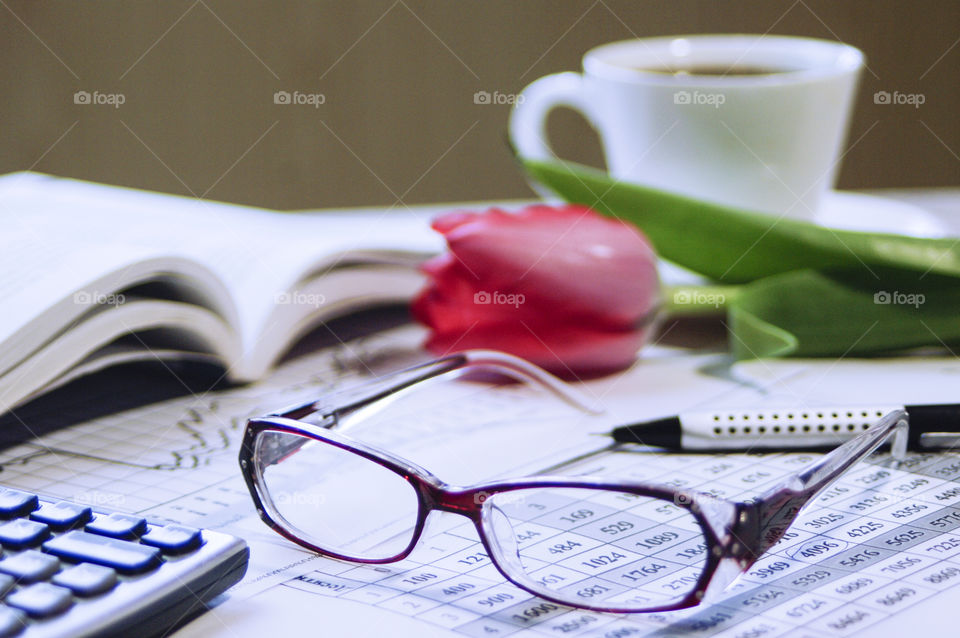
(176, 461)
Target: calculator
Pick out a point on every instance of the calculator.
(69, 570)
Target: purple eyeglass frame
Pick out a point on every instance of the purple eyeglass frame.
(738, 533)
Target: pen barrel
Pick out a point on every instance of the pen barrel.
(934, 426)
(778, 428)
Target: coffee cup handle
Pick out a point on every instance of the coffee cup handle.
(528, 120)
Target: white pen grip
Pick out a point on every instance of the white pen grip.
(777, 428)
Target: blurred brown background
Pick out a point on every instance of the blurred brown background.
(399, 121)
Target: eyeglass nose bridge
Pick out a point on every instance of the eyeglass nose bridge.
(464, 501)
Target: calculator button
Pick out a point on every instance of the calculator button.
(6, 584)
(86, 579)
(62, 515)
(172, 539)
(11, 622)
(124, 556)
(41, 600)
(117, 525)
(23, 533)
(30, 566)
(15, 503)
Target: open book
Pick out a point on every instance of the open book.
(93, 275)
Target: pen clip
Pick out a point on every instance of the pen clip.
(938, 440)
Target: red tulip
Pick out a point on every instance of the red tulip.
(563, 287)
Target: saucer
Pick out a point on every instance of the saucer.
(844, 210)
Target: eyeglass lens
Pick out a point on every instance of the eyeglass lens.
(597, 547)
(335, 499)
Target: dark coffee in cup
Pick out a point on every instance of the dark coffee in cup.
(715, 70)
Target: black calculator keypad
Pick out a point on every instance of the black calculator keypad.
(62, 515)
(172, 539)
(14, 503)
(30, 566)
(117, 525)
(41, 600)
(87, 579)
(21, 532)
(7, 583)
(123, 556)
(66, 570)
(11, 622)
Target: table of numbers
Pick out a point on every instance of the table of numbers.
(878, 541)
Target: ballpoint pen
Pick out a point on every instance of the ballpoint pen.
(932, 426)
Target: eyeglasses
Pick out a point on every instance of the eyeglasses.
(589, 543)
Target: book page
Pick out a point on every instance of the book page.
(69, 248)
(285, 280)
(65, 234)
(49, 281)
(192, 325)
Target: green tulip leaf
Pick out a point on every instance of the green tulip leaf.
(731, 245)
(809, 313)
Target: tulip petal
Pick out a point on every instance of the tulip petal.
(569, 257)
(563, 287)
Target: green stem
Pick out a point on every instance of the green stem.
(696, 301)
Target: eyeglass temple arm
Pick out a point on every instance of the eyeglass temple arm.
(367, 393)
(342, 403)
(821, 474)
(332, 408)
(763, 522)
(352, 399)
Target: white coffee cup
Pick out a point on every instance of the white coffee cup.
(769, 141)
